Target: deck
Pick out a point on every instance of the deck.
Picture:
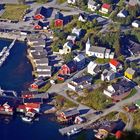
(65, 130)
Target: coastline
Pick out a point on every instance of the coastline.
(12, 36)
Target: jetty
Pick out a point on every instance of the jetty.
(68, 129)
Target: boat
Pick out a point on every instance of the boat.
(3, 51)
(74, 131)
(26, 119)
(7, 53)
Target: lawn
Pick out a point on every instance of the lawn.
(45, 88)
(95, 99)
(63, 103)
(102, 61)
(14, 11)
(132, 93)
(136, 117)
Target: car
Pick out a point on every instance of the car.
(110, 105)
(98, 112)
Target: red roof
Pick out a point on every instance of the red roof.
(32, 105)
(21, 106)
(106, 6)
(114, 62)
(118, 134)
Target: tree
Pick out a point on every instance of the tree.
(108, 1)
(94, 22)
(68, 57)
(81, 3)
(117, 48)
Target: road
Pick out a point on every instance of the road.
(60, 89)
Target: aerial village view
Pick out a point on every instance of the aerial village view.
(69, 69)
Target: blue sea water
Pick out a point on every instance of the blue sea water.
(16, 74)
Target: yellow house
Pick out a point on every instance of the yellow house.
(129, 73)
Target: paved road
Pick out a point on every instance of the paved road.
(60, 89)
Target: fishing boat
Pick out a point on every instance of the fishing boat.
(26, 119)
(74, 131)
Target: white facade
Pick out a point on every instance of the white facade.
(110, 90)
(107, 75)
(66, 48)
(136, 24)
(76, 31)
(81, 19)
(72, 87)
(90, 68)
(122, 14)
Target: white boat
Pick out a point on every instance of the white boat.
(73, 132)
(3, 51)
(7, 53)
(26, 119)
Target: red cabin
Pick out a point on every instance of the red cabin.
(68, 68)
(59, 20)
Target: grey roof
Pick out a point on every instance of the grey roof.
(40, 49)
(122, 86)
(134, 2)
(92, 2)
(108, 72)
(108, 51)
(134, 47)
(83, 79)
(97, 49)
(136, 21)
(46, 73)
(72, 112)
(40, 43)
(69, 43)
(130, 71)
(34, 39)
(38, 55)
(42, 61)
(48, 68)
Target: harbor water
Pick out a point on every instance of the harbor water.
(16, 74)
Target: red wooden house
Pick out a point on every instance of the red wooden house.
(68, 115)
(59, 20)
(68, 68)
(41, 13)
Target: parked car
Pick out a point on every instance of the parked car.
(98, 112)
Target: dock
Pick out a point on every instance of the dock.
(65, 130)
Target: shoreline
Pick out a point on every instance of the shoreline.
(11, 36)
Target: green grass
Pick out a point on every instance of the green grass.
(110, 116)
(136, 117)
(102, 61)
(45, 88)
(132, 93)
(61, 1)
(14, 11)
(95, 99)
(62, 102)
(42, 1)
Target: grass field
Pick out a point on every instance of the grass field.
(14, 11)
